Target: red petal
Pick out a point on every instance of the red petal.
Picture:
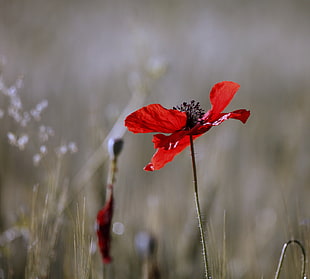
(168, 142)
(155, 118)
(163, 156)
(240, 114)
(104, 220)
(201, 129)
(221, 95)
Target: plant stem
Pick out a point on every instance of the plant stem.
(303, 269)
(104, 272)
(111, 178)
(201, 229)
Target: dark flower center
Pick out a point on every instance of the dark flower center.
(193, 111)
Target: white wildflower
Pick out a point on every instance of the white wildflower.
(11, 92)
(12, 138)
(43, 149)
(61, 150)
(36, 112)
(72, 147)
(45, 132)
(36, 159)
(42, 105)
(22, 141)
(25, 120)
(14, 113)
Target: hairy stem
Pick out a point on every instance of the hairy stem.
(201, 229)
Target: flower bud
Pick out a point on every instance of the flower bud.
(145, 244)
(115, 147)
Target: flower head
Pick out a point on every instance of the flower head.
(183, 121)
(103, 227)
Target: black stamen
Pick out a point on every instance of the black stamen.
(193, 111)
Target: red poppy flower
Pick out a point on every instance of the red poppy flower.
(104, 220)
(183, 121)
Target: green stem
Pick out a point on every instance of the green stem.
(201, 229)
(303, 270)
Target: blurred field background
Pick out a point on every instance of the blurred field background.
(89, 60)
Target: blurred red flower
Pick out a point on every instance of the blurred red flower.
(103, 227)
(182, 121)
